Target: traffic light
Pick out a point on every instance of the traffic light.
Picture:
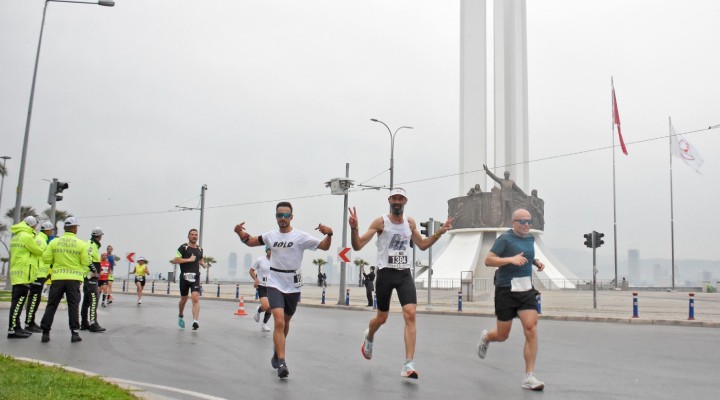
(426, 232)
(598, 239)
(588, 240)
(56, 187)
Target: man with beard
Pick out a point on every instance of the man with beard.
(190, 257)
(394, 232)
(285, 278)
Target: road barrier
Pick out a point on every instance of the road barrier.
(459, 300)
(347, 297)
(691, 310)
(635, 305)
(322, 299)
(539, 303)
(241, 307)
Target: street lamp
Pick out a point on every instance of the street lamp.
(2, 183)
(21, 174)
(392, 147)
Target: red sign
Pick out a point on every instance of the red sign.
(130, 256)
(343, 254)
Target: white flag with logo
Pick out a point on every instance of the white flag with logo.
(685, 151)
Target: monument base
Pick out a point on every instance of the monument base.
(467, 249)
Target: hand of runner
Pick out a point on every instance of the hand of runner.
(353, 220)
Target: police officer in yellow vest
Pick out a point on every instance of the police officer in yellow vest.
(88, 311)
(69, 257)
(41, 238)
(24, 256)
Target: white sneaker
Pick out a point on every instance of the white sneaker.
(139, 301)
(532, 383)
(482, 346)
(367, 345)
(409, 371)
(265, 328)
(256, 317)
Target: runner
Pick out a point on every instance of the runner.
(103, 279)
(259, 272)
(141, 271)
(285, 278)
(394, 233)
(190, 257)
(111, 275)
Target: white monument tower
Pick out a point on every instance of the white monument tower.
(501, 142)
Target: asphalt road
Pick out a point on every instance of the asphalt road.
(228, 357)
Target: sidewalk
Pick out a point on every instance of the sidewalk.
(659, 308)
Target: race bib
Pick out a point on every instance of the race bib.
(521, 284)
(297, 279)
(397, 259)
(189, 276)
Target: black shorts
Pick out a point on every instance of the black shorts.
(262, 291)
(192, 285)
(287, 301)
(102, 282)
(140, 280)
(508, 303)
(399, 279)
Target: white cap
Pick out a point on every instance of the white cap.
(31, 221)
(142, 259)
(46, 226)
(97, 231)
(71, 221)
(399, 191)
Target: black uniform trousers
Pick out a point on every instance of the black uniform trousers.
(71, 290)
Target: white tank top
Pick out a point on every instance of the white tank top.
(394, 245)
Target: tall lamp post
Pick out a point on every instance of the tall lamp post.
(21, 174)
(2, 182)
(392, 147)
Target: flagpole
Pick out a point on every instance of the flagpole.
(613, 107)
(672, 218)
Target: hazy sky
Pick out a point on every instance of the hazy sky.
(139, 105)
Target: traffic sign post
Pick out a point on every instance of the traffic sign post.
(130, 257)
(344, 254)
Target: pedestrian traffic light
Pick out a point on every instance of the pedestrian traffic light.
(56, 187)
(426, 231)
(598, 239)
(588, 240)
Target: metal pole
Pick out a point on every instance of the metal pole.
(430, 230)
(344, 240)
(614, 202)
(53, 202)
(672, 218)
(200, 231)
(594, 234)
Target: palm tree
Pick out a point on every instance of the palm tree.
(25, 211)
(319, 262)
(209, 261)
(60, 215)
(360, 263)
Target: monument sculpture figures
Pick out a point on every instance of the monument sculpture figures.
(507, 192)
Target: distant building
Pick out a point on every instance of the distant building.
(232, 265)
(634, 266)
(244, 274)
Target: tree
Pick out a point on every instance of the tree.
(60, 215)
(4, 261)
(25, 211)
(319, 262)
(3, 170)
(3, 232)
(209, 261)
(360, 263)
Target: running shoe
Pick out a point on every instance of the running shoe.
(265, 328)
(274, 361)
(283, 370)
(532, 383)
(409, 371)
(367, 345)
(482, 346)
(256, 317)
(195, 325)
(181, 322)
(139, 301)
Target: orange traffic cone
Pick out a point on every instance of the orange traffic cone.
(241, 307)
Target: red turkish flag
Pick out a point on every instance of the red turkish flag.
(616, 120)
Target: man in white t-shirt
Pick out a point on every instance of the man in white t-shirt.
(259, 273)
(394, 232)
(285, 278)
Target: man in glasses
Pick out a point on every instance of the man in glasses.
(287, 246)
(394, 232)
(513, 253)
